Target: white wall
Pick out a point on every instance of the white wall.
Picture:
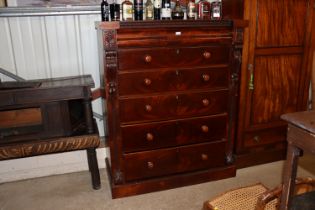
(44, 47)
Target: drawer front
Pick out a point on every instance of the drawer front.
(176, 160)
(148, 58)
(173, 106)
(173, 133)
(172, 80)
(265, 137)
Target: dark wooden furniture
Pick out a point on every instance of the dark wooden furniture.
(171, 93)
(301, 131)
(48, 116)
(275, 79)
(304, 188)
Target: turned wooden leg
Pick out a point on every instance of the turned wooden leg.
(289, 176)
(93, 167)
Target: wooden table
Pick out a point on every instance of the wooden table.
(48, 116)
(300, 137)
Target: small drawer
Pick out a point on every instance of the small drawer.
(173, 133)
(163, 107)
(175, 160)
(265, 137)
(149, 58)
(172, 80)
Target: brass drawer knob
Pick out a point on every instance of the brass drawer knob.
(206, 54)
(204, 156)
(149, 136)
(148, 108)
(205, 129)
(205, 77)
(147, 81)
(205, 102)
(148, 58)
(150, 165)
(257, 139)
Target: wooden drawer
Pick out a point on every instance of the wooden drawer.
(265, 137)
(175, 160)
(173, 133)
(172, 80)
(172, 106)
(142, 37)
(148, 58)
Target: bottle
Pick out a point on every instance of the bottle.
(127, 10)
(216, 10)
(191, 10)
(149, 10)
(138, 9)
(166, 10)
(177, 12)
(114, 11)
(157, 9)
(204, 10)
(105, 10)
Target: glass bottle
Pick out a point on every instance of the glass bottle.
(114, 11)
(157, 9)
(138, 9)
(166, 10)
(127, 10)
(204, 10)
(191, 10)
(177, 12)
(105, 10)
(216, 10)
(149, 10)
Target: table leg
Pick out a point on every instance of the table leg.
(289, 176)
(88, 115)
(93, 167)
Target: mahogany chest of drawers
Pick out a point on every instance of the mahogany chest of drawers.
(171, 94)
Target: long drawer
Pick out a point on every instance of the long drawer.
(148, 58)
(265, 137)
(150, 136)
(175, 160)
(172, 80)
(172, 106)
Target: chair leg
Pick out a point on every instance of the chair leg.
(93, 167)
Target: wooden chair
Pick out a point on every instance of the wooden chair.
(302, 185)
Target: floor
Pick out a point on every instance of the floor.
(74, 191)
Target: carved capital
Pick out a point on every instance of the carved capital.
(118, 176)
(238, 35)
(109, 39)
(229, 159)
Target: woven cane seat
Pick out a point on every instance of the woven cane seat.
(244, 198)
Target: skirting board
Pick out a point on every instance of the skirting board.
(46, 165)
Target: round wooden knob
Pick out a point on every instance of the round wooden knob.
(205, 102)
(205, 77)
(148, 58)
(204, 156)
(150, 165)
(205, 128)
(206, 54)
(148, 108)
(147, 81)
(149, 136)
